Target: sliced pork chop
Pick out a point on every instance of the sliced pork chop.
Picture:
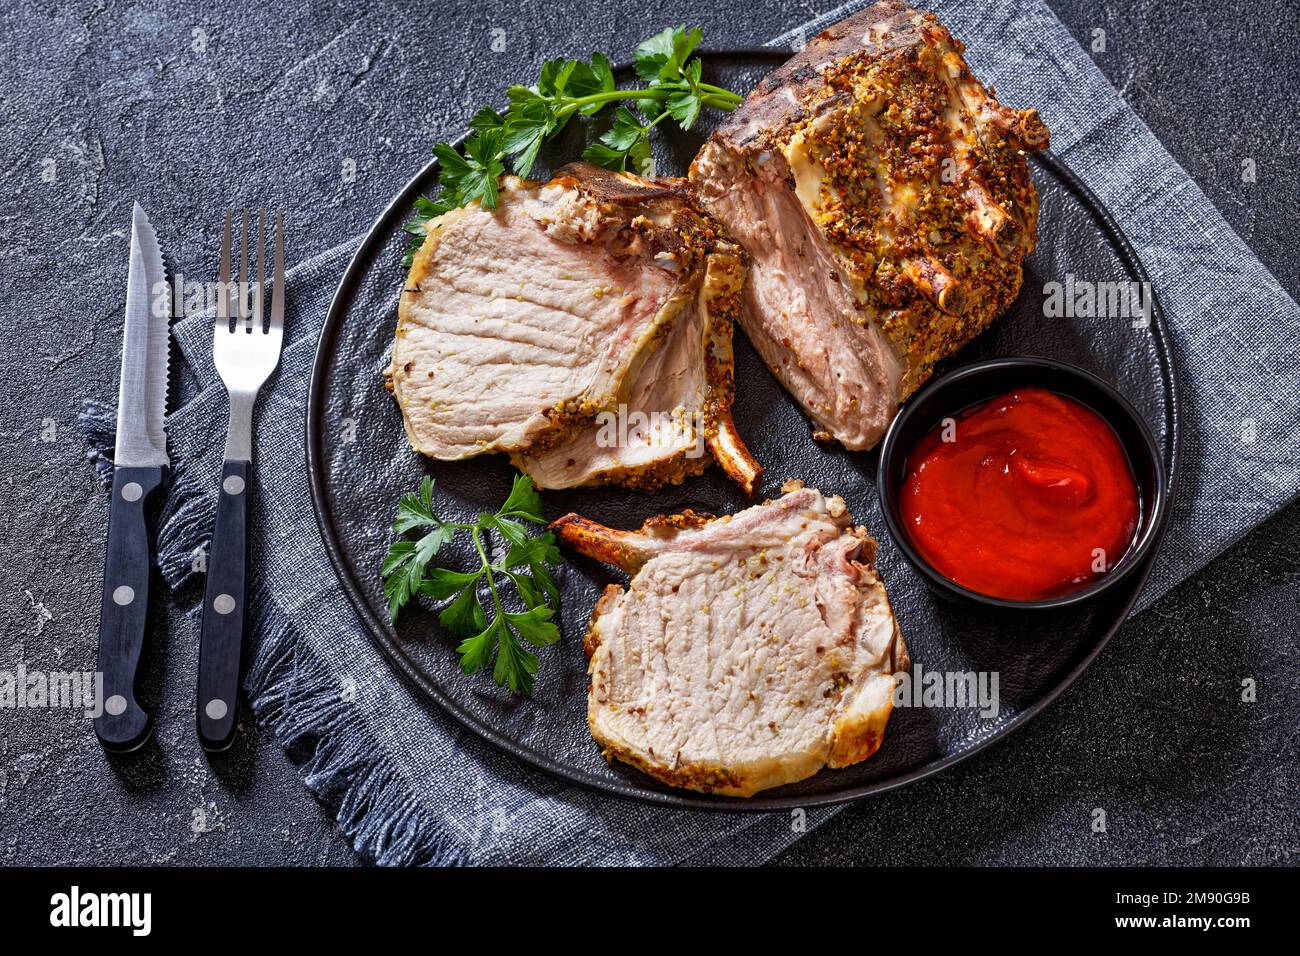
(885, 201)
(748, 651)
(519, 326)
(679, 409)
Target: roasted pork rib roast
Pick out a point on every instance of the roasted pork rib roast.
(883, 195)
(583, 327)
(748, 651)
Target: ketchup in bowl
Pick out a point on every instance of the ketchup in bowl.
(1024, 497)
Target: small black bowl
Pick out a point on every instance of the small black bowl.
(972, 384)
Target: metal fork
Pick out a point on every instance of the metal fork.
(245, 352)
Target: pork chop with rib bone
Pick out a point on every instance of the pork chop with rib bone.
(596, 294)
(883, 195)
(748, 651)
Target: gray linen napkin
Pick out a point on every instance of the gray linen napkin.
(411, 786)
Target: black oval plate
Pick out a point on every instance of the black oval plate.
(359, 464)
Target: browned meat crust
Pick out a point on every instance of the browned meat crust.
(910, 170)
(748, 651)
(609, 292)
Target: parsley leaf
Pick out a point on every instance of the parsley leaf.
(555, 77)
(663, 56)
(535, 626)
(527, 126)
(538, 554)
(628, 139)
(465, 615)
(515, 666)
(566, 88)
(415, 509)
(403, 567)
(401, 575)
(476, 609)
(487, 119)
(440, 584)
(686, 98)
(476, 652)
(483, 167)
(523, 502)
(418, 225)
(591, 78)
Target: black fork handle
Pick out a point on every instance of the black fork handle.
(225, 614)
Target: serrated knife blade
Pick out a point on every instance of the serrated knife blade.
(140, 474)
(142, 393)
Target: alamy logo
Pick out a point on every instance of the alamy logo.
(633, 428)
(919, 687)
(22, 689)
(1082, 298)
(132, 910)
(183, 297)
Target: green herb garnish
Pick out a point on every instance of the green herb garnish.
(495, 633)
(672, 88)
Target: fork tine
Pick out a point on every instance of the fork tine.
(277, 290)
(243, 271)
(223, 280)
(261, 271)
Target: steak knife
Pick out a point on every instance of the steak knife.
(140, 471)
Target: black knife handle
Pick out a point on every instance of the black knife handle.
(221, 637)
(122, 724)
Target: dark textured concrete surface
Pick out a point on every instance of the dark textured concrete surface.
(190, 107)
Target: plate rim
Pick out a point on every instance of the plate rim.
(392, 648)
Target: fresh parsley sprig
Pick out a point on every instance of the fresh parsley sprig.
(492, 636)
(673, 88)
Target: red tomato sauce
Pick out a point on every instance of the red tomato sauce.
(1025, 497)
